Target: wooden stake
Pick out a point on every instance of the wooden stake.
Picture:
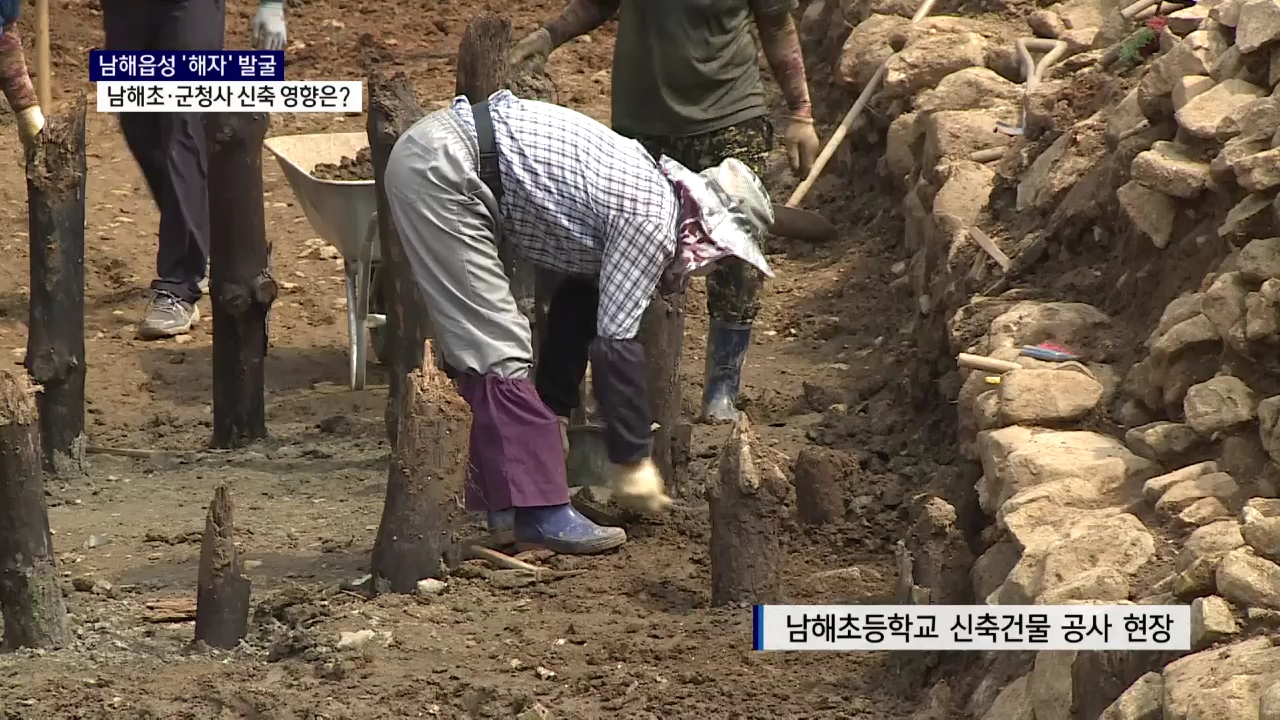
(819, 496)
(662, 333)
(748, 507)
(34, 613)
(222, 596)
(482, 58)
(55, 341)
(393, 107)
(483, 70)
(426, 473)
(241, 287)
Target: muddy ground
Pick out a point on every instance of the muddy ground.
(632, 638)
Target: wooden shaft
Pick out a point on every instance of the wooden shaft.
(44, 64)
(850, 118)
(988, 364)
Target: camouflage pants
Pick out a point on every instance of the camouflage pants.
(733, 288)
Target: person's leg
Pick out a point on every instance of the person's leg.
(565, 342)
(183, 196)
(445, 216)
(733, 287)
(128, 25)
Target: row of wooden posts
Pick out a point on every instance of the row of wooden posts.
(42, 417)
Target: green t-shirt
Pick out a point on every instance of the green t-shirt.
(687, 67)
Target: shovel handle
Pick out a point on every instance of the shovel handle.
(850, 118)
(837, 137)
(44, 64)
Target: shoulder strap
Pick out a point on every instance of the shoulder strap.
(489, 169)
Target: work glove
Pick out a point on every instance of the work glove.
(564, 434)
(638, 487)
(801, 141)
(536, 44)
(268, 26)
(30, 123)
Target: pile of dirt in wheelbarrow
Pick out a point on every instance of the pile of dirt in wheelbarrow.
(358, 168)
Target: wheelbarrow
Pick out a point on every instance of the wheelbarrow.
(345, 214)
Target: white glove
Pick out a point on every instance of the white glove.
(638, 487)
(536, 44)
(564, 434)
(268, 26)
(30, 123)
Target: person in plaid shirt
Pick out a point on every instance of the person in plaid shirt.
(579, 199)
(687, 84)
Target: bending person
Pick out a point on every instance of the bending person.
(686, 83)
(569, 195)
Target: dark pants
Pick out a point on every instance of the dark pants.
(733, 287)
(565, 341)
(170, 147)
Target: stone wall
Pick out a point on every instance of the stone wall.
(1146, 471)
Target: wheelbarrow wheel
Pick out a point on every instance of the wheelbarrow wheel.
(378, 304)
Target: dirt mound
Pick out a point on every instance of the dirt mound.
(359, 167)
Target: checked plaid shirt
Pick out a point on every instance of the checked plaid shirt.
(581, 199)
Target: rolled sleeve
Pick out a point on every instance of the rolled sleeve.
(635, 256)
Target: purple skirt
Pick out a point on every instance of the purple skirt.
(516, 456)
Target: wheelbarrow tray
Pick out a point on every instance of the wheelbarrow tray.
(345, 214)
(338, 210)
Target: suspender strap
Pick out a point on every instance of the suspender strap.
(489, 171)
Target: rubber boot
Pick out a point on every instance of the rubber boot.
(726, 348)
(562, 529)
(502, 528)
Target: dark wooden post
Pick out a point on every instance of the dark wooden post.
(55, 340)
(392, 109)
(483, 54)
(34, 613)
(415, 536)
(241, 287)
(483, 69)
(222, 593)
(662, 333)
(748, 507)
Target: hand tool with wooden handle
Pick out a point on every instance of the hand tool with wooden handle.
(806, 225)
(44, 66)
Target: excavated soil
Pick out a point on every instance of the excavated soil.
(633, 637)
(358, 168)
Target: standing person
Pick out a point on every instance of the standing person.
(15, 81)
(569, 195)
(686, 84)
(170, 147)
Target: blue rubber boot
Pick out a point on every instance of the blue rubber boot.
(502, 528)
(727, 345)
(562, 529)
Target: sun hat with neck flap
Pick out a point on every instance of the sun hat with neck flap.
(725, 211)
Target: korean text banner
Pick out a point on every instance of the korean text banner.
(186, 66)
(972, 627)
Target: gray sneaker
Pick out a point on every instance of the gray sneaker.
(167, 316)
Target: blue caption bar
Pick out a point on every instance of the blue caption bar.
(186, 66)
